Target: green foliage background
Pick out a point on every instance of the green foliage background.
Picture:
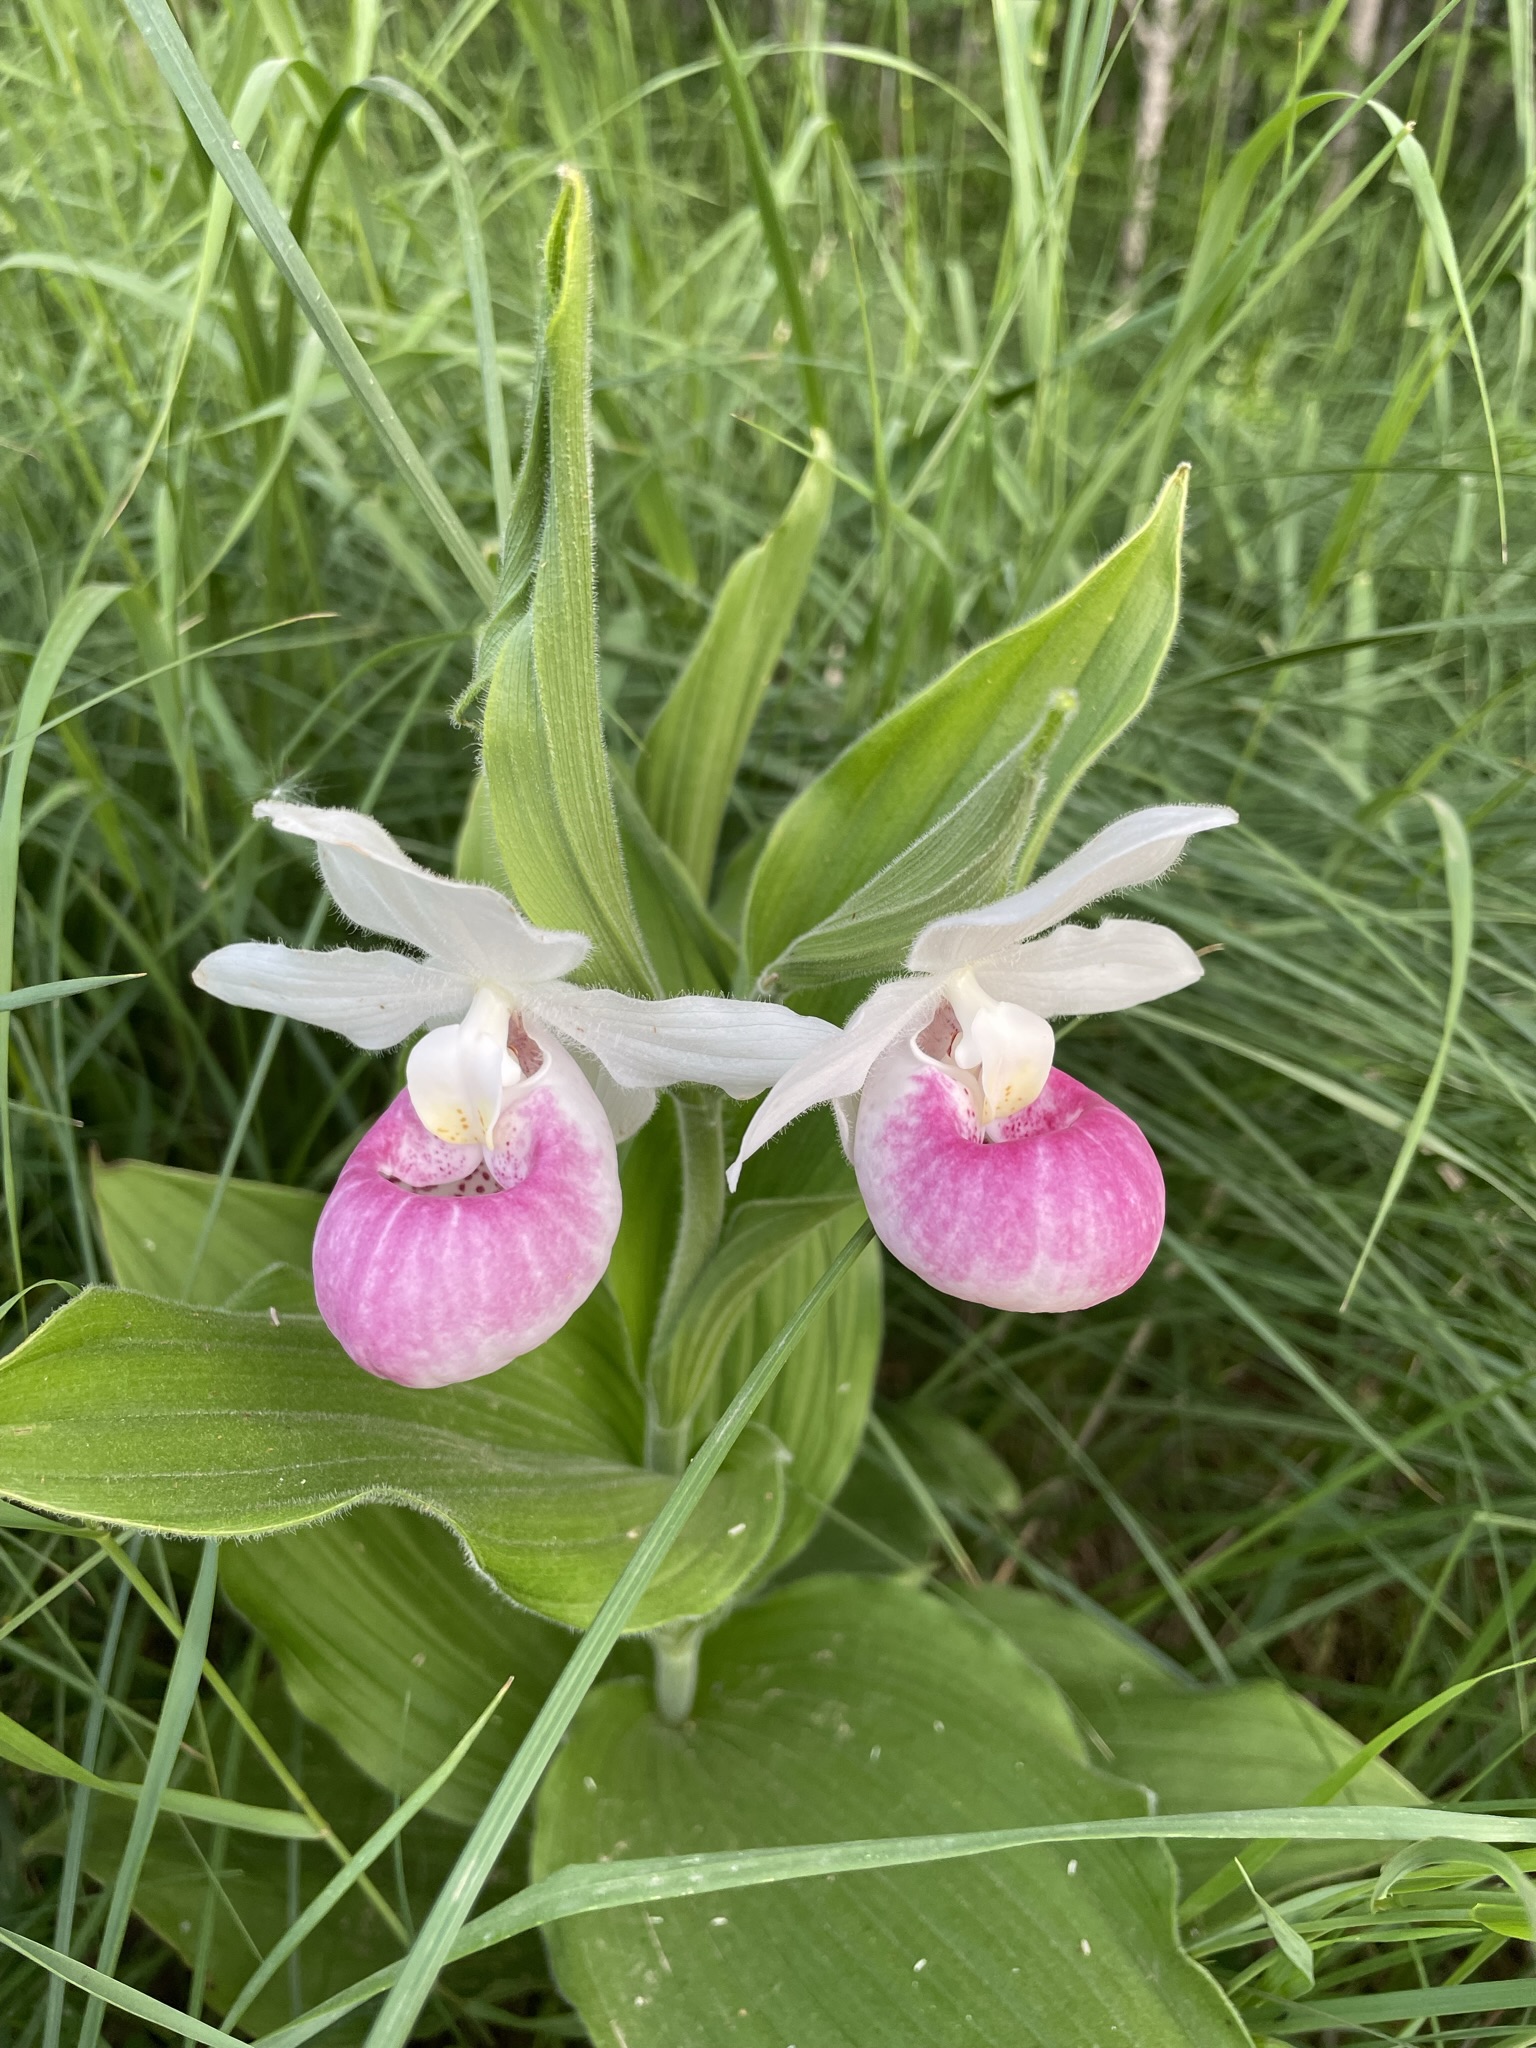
(1259, 1482)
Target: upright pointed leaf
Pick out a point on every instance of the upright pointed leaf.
(694, 748)
(1105, 640)
(966, 859)
(545, 761)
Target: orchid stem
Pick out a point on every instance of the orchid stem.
(666, 1444)
(676, 1649)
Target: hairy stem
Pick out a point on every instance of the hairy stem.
(676, 1650)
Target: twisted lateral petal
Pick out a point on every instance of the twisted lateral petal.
(429, 1286)
(1132, 851)
(378, 886)
(1076, 971)
(834, 1070)
(375, 999)
(739, 1047)
(1063, 1210)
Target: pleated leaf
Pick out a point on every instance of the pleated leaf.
(842, 1709)
(1105, 641)
(694, 748)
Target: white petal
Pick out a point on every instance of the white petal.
(1076, 971)
(827, 1072)
(469, 926)
(740, 1047)
(1132, 851)
(625, 1108)
(460, 1075)
(375, 999)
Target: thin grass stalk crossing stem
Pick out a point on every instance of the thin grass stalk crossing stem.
(676, 1650)
(434, 1945)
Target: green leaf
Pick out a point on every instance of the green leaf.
(444, 1929)
(578, 1888)
(845, 1709)
(50, 991)
(390, 1643)
(249, 1898)
(760, 1236)
(205, 1422)
(960, 1469)
(687, 947)
(545, 762)
(151, 1218)
(29, 1752)
(1105, 641)
(651, 1178)
(1200, 1749)
(694, 748)
(820, 1405)
(968, 858)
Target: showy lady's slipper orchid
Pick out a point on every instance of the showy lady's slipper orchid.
(478, 1213)
(984, 1167)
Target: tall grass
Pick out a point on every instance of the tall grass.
(1257, 1477)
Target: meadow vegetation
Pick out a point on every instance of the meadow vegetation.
(1305, 1445)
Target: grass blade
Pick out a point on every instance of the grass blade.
(333, 1892)
(179, 68)
(107, 1990)
(1421, 182)
(50, 991)
(1457, 855)
(180, 1693)
(781, 256)
(69, 626)
(435, 1944)
(598, 1887)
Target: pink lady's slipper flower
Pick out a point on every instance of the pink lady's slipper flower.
(478, 1213)
(984, 1167)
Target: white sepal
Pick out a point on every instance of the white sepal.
(375, 999)
(1083, 971)
(382, 889)
(1126, 855)
(736, 1046)
(837, 1067)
